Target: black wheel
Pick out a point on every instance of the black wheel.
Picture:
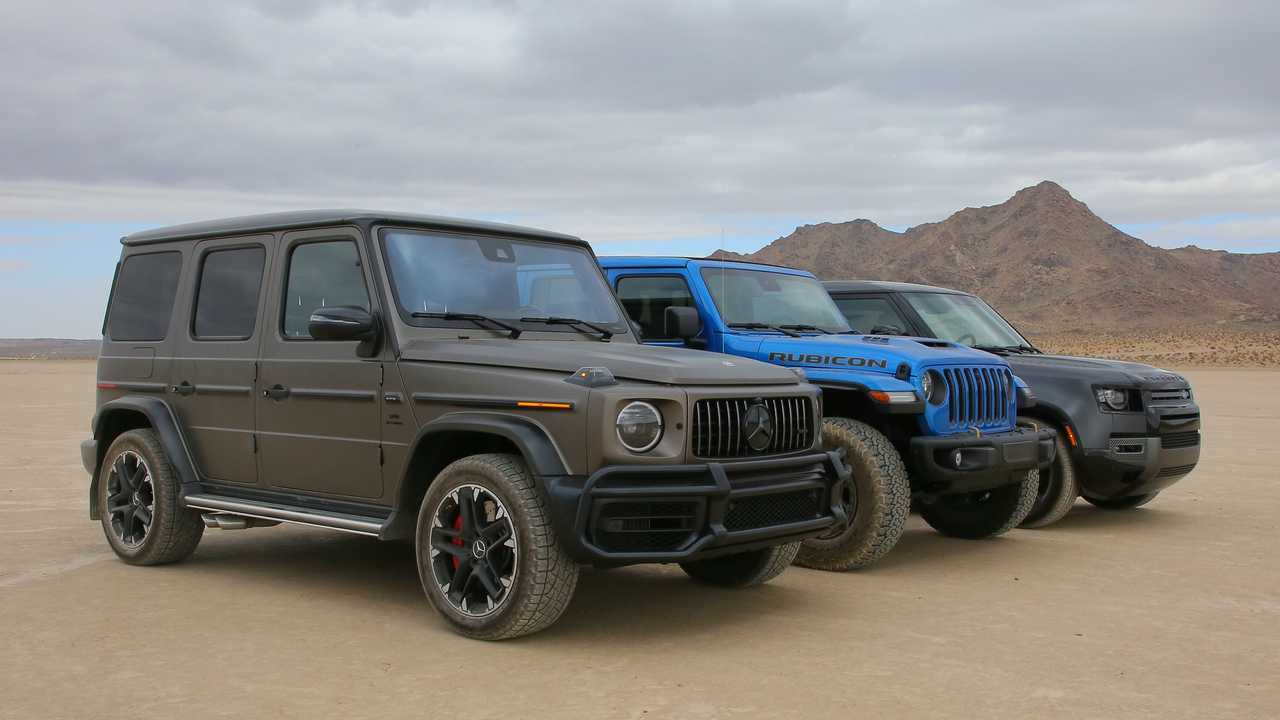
(877, 503)
(754, 567)
(139, 497)
(488, 558)
(1128, 502)
(982, 514)
(1057, 490)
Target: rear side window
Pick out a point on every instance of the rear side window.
(143, 299)
(227, 303)
(646, 300)
(321, 274)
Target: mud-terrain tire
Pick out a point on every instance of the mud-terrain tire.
(1058, 487)
(1129, 502)
(881, 500)
(483, 533)
(754, 567)
(141, 502)
(982, 514)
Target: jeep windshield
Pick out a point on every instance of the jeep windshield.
(967, 320)
(499, 284)
(763, 300)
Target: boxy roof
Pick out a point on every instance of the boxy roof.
(300, 219)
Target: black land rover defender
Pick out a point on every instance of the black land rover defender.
(473, 387)
(1125, 430)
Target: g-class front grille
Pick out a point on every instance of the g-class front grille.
(979, 396)
(733, 427)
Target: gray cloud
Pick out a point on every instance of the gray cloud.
(638, 121)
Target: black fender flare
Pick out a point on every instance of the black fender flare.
(534, 443)
(1046, 410)
(162, 419)
(540, 452)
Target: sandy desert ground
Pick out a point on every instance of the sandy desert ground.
(1171, 611)
(1216, 347)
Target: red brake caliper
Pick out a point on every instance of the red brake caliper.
(457, 525)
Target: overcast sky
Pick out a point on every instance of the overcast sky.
(647, 127)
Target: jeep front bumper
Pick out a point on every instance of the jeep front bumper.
(626, 514)
(948, 464)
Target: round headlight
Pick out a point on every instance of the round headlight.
(1113, 398)
(639, 427)
(934, 387)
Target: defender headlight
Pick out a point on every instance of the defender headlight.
(934, 387)
(1113, 398)
(639, 427)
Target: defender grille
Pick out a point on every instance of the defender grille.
(1180, 439)
(1175, 471)
(979, 396)
(1170, 397)
(717, 426)
(761, 511)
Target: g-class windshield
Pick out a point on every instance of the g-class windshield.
(967, 320)
(442, 279)
(756, 300)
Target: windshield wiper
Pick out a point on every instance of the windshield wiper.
(513, 332)
(810, 328)
(575, 323)
(1016, 349)
(764, 326)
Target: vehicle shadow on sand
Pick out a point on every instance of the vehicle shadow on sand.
(644, 603)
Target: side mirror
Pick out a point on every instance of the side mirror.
(343, 322)
(682, 323)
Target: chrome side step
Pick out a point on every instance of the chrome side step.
(283, 513)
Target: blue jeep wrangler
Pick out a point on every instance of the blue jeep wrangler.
(917, 418)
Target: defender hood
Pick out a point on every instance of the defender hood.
(1096, 370)
(646, 363)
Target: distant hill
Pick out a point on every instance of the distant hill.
(48, 348)
(1048, 263)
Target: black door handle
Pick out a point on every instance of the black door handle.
(183, 388)
(276, 392)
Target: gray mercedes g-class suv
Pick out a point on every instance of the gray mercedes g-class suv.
(473, 387)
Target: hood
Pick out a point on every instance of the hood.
(866, 352)
(646, 363)
(1096, 370)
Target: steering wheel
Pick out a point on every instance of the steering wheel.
(971, 341)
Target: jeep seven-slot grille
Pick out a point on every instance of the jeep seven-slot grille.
(718, 426)
(979, 396)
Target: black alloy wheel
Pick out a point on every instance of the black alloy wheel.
(131, 498)
(474, 552)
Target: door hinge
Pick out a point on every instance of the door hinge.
(255, 443)
(382, 374)
(255, 371)
(382, 457)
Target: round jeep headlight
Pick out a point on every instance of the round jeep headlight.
(1113, 398)
(934, 387)
(639, 427)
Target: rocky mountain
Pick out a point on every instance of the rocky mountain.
(1048, 263)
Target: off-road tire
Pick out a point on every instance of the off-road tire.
(754, 567)
(174, 530)
(1058, 489)
(1128, 502)
(545, 576)
(882, 495)
(982, 514)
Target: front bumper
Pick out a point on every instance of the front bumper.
(626, 514)
(987, 461)
(1145, 453)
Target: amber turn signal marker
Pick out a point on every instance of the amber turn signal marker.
(1071, 435)
(545, 405)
